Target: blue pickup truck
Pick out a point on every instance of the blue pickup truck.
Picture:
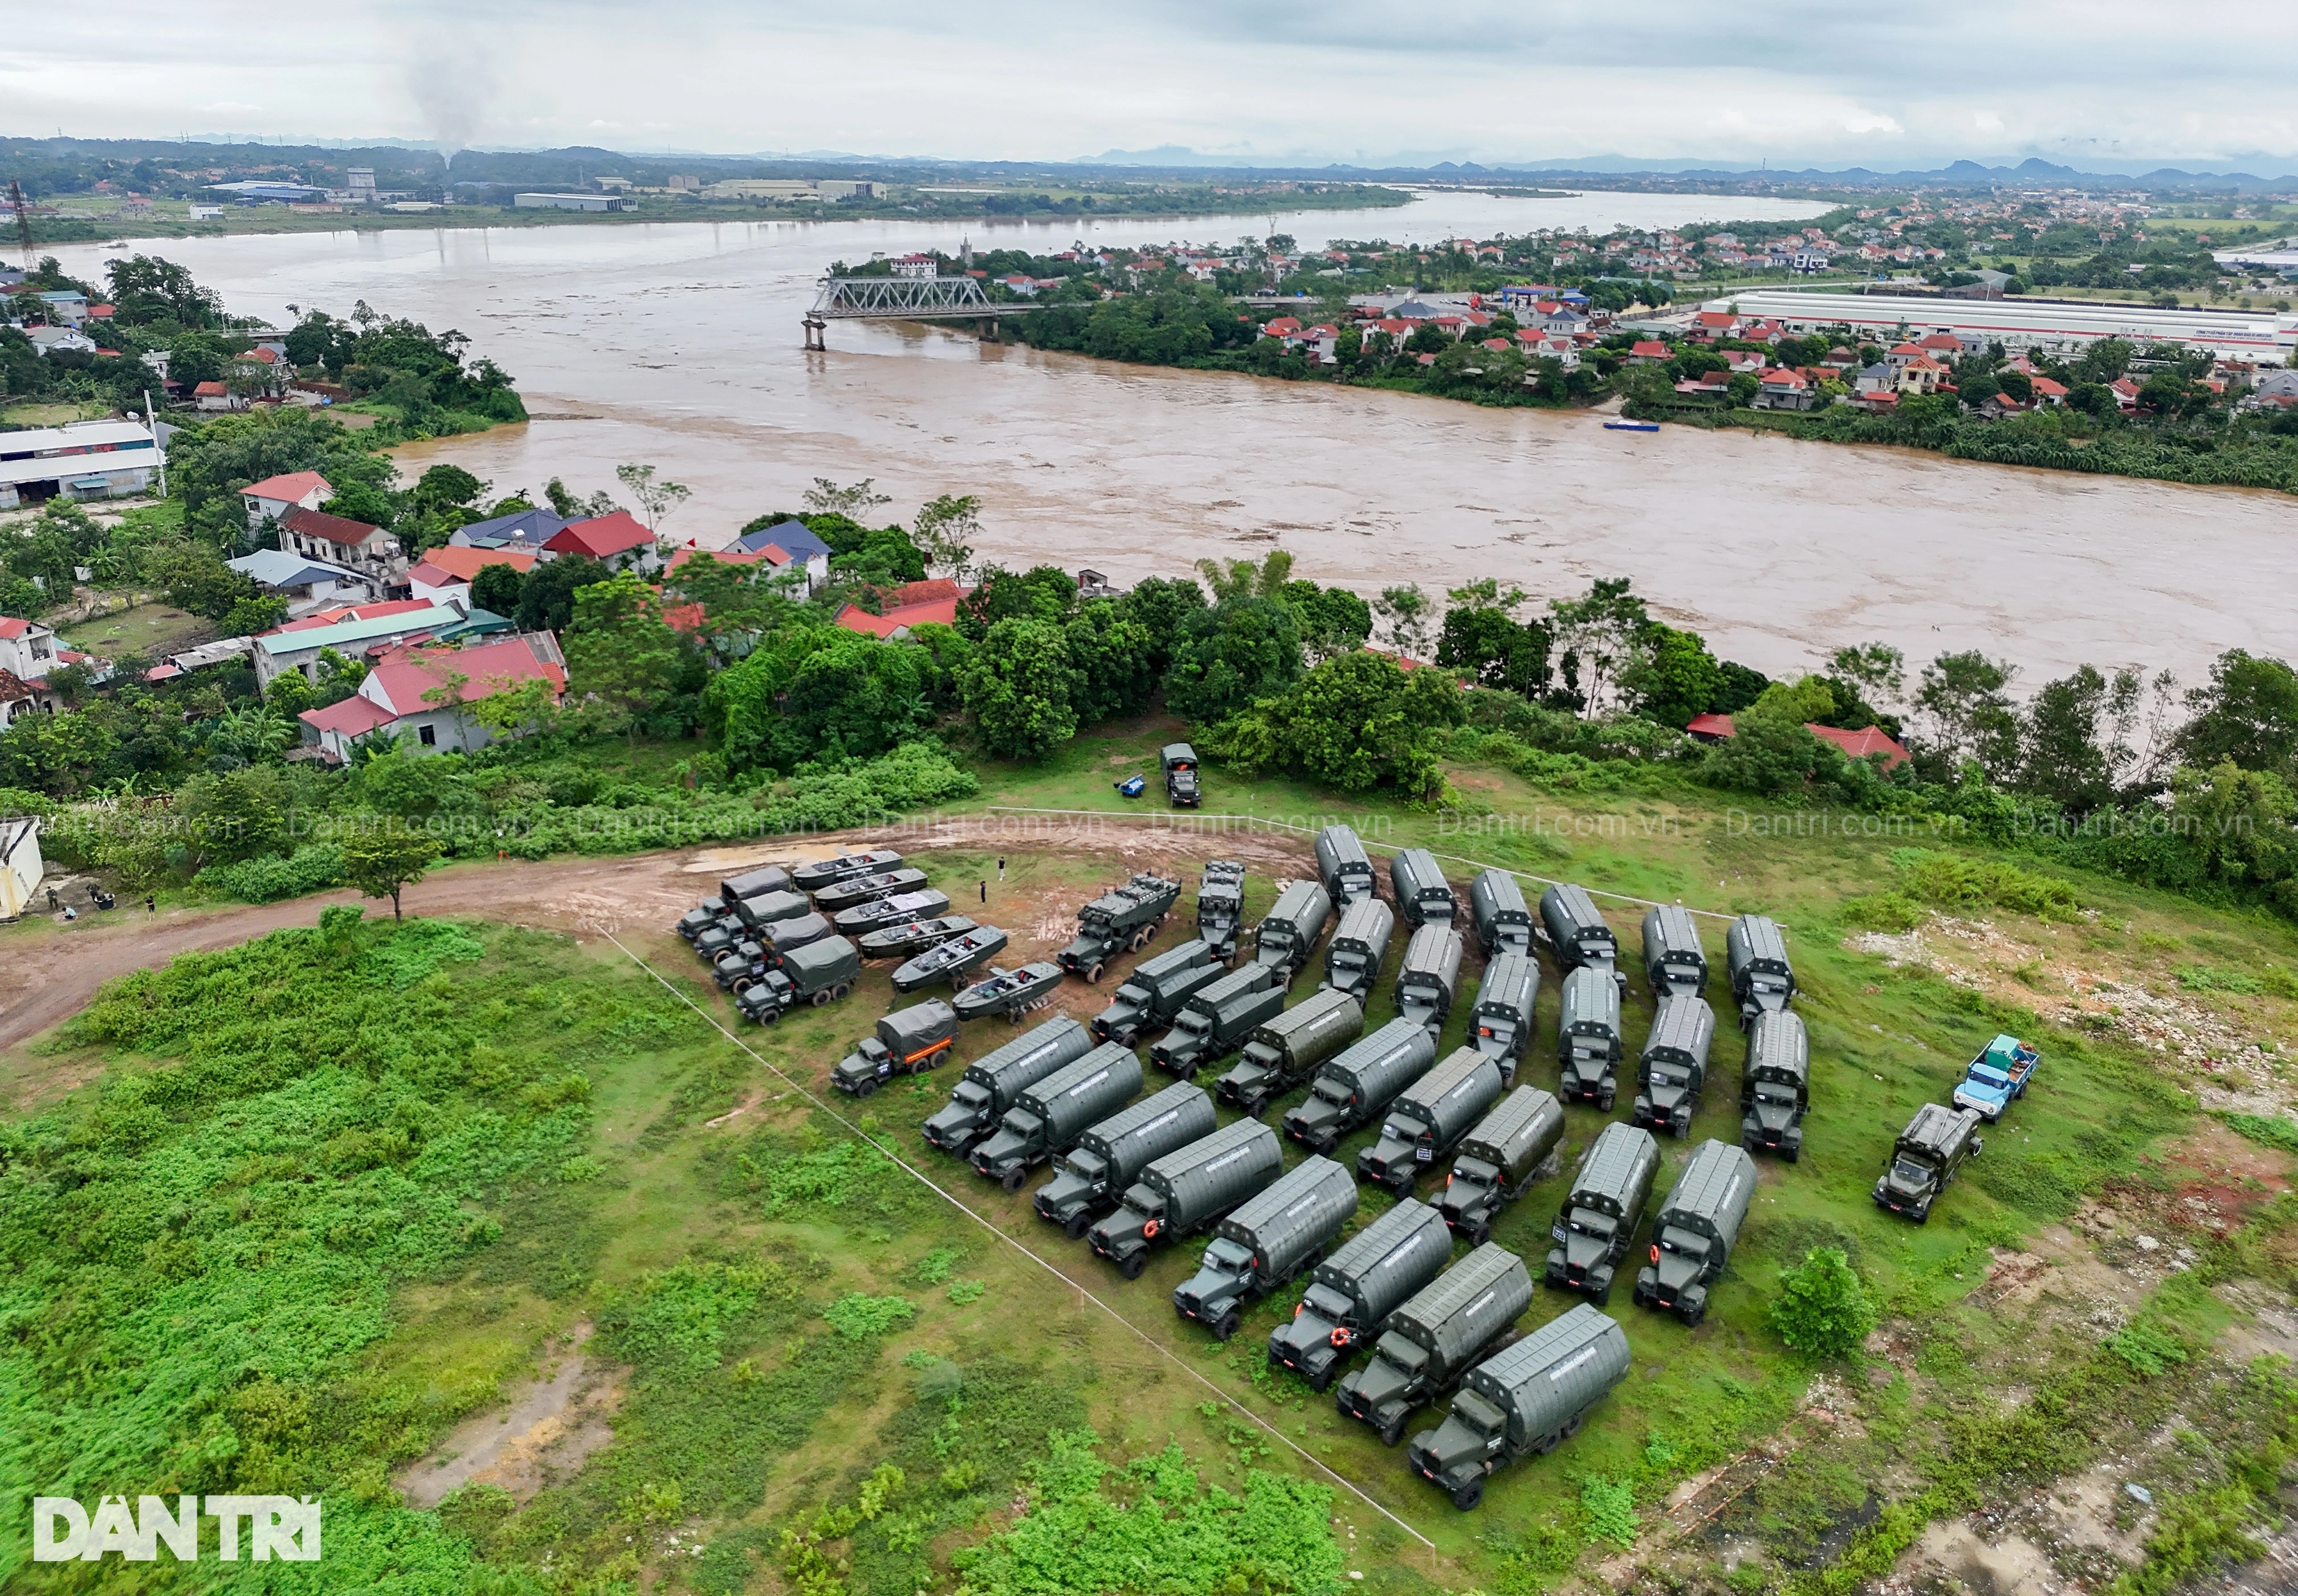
(1997, 1077)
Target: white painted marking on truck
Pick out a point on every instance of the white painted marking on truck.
(1087, 1084)
(1561, 1369)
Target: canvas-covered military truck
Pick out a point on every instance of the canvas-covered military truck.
(1776, 1087)
(1427, 1119)
(1496, 905)
(1264, 1242)
(701, 917)
(1110, 1156)
(1581, 938)
(751, 957)
(1186, 1192)
(1693, 1232)
(1368, 1278)
(951, 961)
(908, 1041)
(1183, 788)
(1359, 943)
(1048, 1118)
(892, 911)
(1926, 1159)
(992, 1082)
(1010, 992)
(1498, 1159)
(827, 872)
(1423, 896)
(1285, 1049)
(1763, 981)
(751, 883)
(1216, 1017)
(913, 937)
(1153, 994)
(1598, 1219)
(1588, 1044)
(1343, 866)
(864, 889)
(1220, 907)
(1673, 960)
(1287, 934)
(1121, 920)
(1531, 1398)
(1500, 1026)
(820, 972)
(1672, 1070)
(1431, 1342)
(1429, 978)
(1353, 1087)
(745, 917)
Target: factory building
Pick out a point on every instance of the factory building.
(2261, 336)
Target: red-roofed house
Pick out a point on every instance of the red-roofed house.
(619, 540)
(1855, 744)
(215, 396)
(1712, 325)
(274, 497)
(1646, 352)
(895, 625)
(29, 652)
(729, 556)
(445, 574)
(412, 692)
(2047, 393)
(1783, 389)
(368, 551)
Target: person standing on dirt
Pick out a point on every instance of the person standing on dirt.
(1001, 869)
(151, 904)
(53, 903)
(984, 892)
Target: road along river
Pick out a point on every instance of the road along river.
(679, 345)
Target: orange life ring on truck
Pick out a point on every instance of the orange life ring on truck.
(1655, 1252)
(1341, 1337)
(1149, 1230)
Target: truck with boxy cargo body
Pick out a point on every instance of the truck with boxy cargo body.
(1186, 1192)
(1429, 978)
(1497, 907)
(819, 973)
(1121, 920)
(1580, 936)
(1352, 1087)
(1587, 1045)
(1344, 867)
(1926, 1159)
(1151, 995)
(1110, 1156)
(1368, 1278)
(1358, 944)
(1285, 1049)
(1530, 1398)
(1220, 907)
(1049, 1117)
(908, 1041)
(1756, 954)
(1498, 1159)
(1693, 1232)
(1775, 1086)
(992, 1082)
(827, 872)
(1426, 1119)
(1500, 1026)
(1266, 1241)
(1288, 933)
(1218, 1016)
(1672, 1070)
(1674, 962)
(1429, 1344)
(1597, 1221)
(1423, 896)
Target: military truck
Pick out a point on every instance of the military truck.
(701, 917)
(1763, 981)
(1284, 1049)
(1693, 1232)
(1265, 1241)
(1672, 1070)
(1121, 920)
(1496, 905)
(1352, 1293)
(1343, 866)
(1588, 1038)
(1430, 976)
(1186, 1192)
(1776, 1087)
(1110, 1156)
(864, 889)
(1181, 786)
(1220, 907)
(1047, 1119)
(827, 872)
(1600, 1213)
(1423, 896)
(1154, 993)
(892, 911)
(1498, 1159)
(820, 972)
(1500, 1026)
(1288, 933)
(1428, 1118)
(762, 951)
(1216, 1017)
(1431, 1342)
(1010, 992)
(746, 918)
(993, 1083)
(951, 961)
(1673, 960)
(1359, 943)
(908, 1041)
(695, 921)
(1579, 935)
(1926, 1159)
(908, 941)
(1530, 1398)
(1354, 1087)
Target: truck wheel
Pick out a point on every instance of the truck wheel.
(1401, 1187)
(868, 1085)
(1637, 1295)
(838, 993)
(1480, 1232)
(1571, 1428)
(1077, 1225)
(1469, 1495)
(767, 1017)
(1092, 974)
(1792, 1155)
(1324, 1382)
(743, 983)
(1013, 1178)
(1548, 1443)
(1392, 1432)
(1604, 1101)
(1227, 1325)
(1325, 1146)
(821, 999)
(1691, 1319)
(1923, 1215)
(1603, 1298)
(1132, 1267)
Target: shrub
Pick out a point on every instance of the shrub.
(2147, 1350)
(312, 868)
(856, 1316)
(1821, 1311)
(1610, 1509)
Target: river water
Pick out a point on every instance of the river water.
(678, 344)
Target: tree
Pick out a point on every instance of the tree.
(147, 290)
(946, 528)
(1356, 722)
(1821, 1310)
(1111, 652)
(826, 496)
(1229, 655)
(2248, 715)
(1020, 687)
(1042, 592)
(657, 499)
(2076, 743)
(1408, 614)
(1264, 578)
(496, 588)
(1674, 678)
(1877, 669)
(1604, 633)
(1969, 715)
(362, 502)
(621, 654)
(443, 486)
(1480, 636)
(383, 861)
(1162, 604)
(546, 594)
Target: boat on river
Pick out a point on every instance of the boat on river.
(1631, 426)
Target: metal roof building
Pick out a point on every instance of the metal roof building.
(2262, 336)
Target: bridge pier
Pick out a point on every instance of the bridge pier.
(815, 328)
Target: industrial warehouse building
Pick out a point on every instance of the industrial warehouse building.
(567, 203)
(81, 459)
(2262, 337)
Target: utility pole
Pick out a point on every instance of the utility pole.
(151, 422)
(23, 222)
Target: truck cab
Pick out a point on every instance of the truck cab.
(1997, 1077)
(1925, 1160)
(1180, 764)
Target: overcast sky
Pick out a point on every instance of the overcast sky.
(2097, 83)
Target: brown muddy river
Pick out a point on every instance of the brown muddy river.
(679, 345)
